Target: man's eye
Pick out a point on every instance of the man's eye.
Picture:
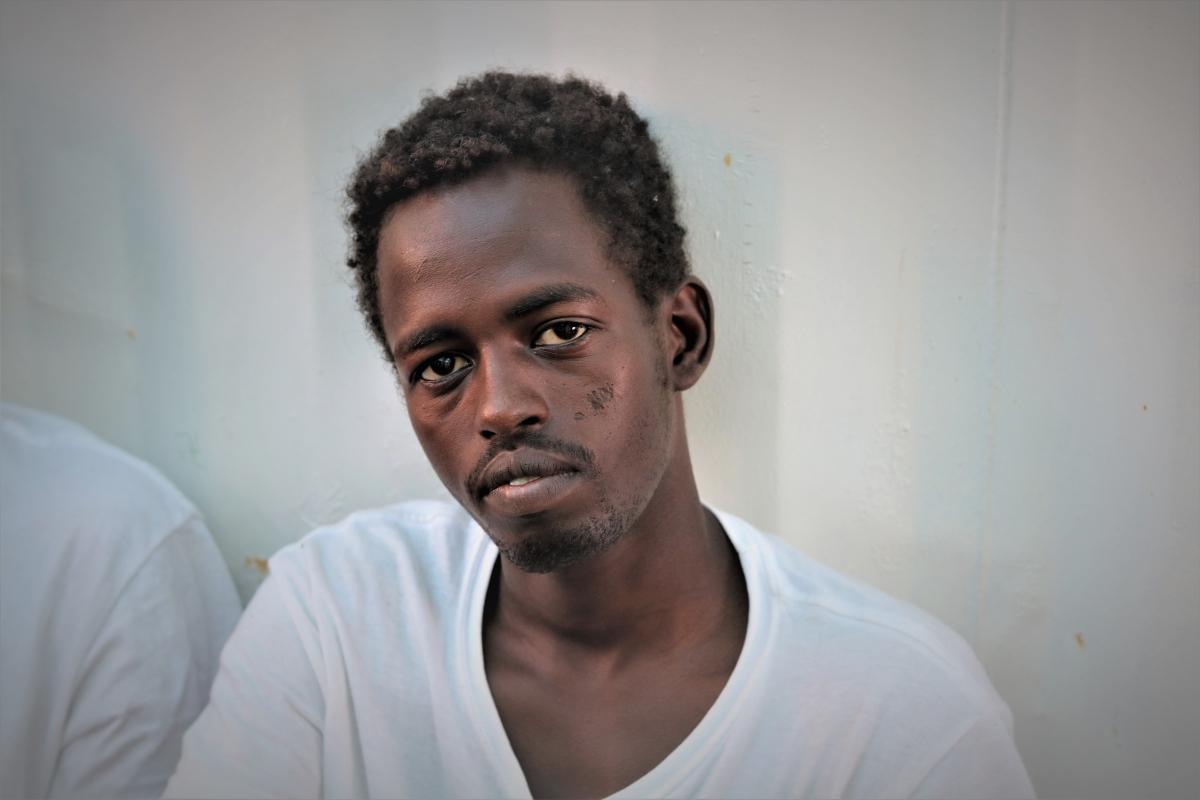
(560, 333)
(443, 366)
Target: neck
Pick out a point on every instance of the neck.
(670, 580)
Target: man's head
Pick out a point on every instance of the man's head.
(518, 257)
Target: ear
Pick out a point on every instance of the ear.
(689, 333)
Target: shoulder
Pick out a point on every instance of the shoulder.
(66, 486)
(367, 558)
(865, 634)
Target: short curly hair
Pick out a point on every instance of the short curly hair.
(569, 125)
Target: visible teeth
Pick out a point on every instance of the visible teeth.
(521, 481)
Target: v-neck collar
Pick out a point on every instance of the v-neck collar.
(663, 779)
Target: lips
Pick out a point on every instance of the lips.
(517, 474)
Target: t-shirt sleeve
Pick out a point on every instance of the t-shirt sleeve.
(982, 763)
(147, 673)
(260, 735)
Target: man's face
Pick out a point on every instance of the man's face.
(536, 380)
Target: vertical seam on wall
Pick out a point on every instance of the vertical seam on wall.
(996, 290)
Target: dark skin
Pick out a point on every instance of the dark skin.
(602, 664)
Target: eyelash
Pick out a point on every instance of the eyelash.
(416, 378)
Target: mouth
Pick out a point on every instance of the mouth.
(520, 484)
(513, 473)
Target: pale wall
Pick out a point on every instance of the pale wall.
(954, 249)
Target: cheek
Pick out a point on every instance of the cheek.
(442, 444)
(626, 389)
(599, 398)
(627, 418)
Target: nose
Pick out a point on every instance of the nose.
(510, 397)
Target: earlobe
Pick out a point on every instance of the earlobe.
(691, 333)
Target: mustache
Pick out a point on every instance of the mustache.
(577, 454)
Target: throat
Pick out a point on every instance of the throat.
(646, 596)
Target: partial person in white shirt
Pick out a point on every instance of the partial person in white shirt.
(582, 626)
(114, 606)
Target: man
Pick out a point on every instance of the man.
(114, 605)
(582, 626)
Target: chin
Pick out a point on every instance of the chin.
(551, 548)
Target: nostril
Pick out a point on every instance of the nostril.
(487, 434)
(530, 421)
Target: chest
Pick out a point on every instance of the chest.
(591, 737)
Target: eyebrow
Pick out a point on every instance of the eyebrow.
(422, 338)
(547, 296)
(529, 304)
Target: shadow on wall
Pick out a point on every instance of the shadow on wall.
(729, 197)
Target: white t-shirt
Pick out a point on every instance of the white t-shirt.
(114, 605)
(358, 671)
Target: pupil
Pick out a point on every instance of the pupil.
(442, 365)
(566, 330)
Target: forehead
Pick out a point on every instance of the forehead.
(500, 234)
(501, 204)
